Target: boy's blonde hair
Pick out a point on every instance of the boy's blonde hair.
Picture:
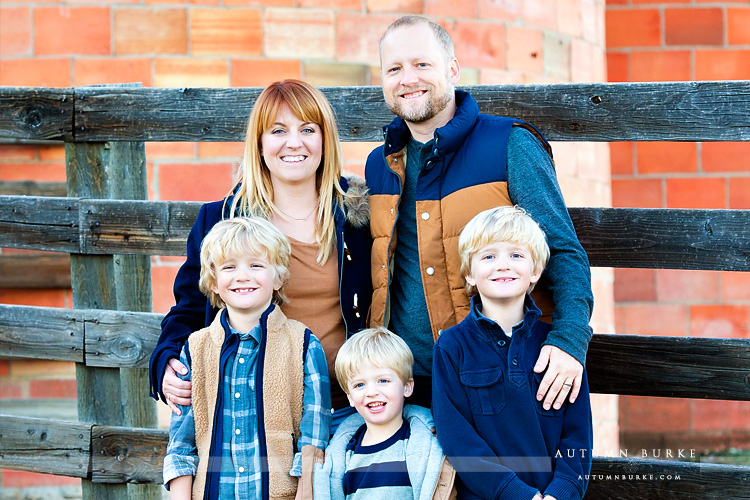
(508, 223)
(243, 236)
(377, 346)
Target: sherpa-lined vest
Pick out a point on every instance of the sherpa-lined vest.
(281, 382)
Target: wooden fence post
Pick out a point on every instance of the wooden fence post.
(108, 396)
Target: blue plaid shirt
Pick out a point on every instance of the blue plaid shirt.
(240, 475)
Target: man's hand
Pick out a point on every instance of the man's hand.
(564, 374)
(176, 390)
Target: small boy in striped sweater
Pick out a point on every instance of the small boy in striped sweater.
(388, 450)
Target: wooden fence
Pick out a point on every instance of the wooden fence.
(109, 231)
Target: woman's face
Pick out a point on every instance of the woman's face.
(292, 149)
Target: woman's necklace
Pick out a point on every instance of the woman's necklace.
(299, 218)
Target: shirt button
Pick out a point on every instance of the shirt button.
(383, 266)
(501, 343)
(391, 210)
(515, 362)
(430, 271)
(237, 431)
(440, 332)
(237, 395)
(425, 215)
(242, 360)
(435, 151)
(241, 469)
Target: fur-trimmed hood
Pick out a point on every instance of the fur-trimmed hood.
(356, 200)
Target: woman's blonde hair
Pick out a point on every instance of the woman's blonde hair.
(243, 236)
(508, 223)
(253, 193)
(378, 346)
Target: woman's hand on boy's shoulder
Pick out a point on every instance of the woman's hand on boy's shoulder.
(176, 391)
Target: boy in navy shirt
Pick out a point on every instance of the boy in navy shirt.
(503, 443)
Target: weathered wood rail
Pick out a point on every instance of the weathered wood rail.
(108, 229)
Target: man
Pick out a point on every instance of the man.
(442, 163)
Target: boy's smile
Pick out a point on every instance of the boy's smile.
(378, 395)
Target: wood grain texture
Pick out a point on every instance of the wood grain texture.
(44, 445)
(127, 455)
(41, 333)
(35, 271)
(36, 113)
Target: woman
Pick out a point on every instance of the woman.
(291, 174)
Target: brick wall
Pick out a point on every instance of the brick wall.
(220, 43)
(653, 40)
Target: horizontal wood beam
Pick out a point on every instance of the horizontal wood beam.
(659, 111)
(32, 188)
(35, 271)
(133, 455)
(617, 364)
(612, 237)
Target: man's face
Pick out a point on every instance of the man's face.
(417, 77)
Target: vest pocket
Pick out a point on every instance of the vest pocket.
(485, 390)
(280, 448)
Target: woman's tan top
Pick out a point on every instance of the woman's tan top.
(313, 293)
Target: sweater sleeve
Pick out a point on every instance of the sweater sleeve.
(573, 462)
(471, 456)
(532, 185)
(188, 313)
(182, 454)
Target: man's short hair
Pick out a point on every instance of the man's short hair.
(243, 236)
(440, 33)
(377, 346)
(507, 223)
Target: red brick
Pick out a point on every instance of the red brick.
(722, 64)
(23, 479)
(194, 182)
(738, 21)
(663, 66)
(723, 321)
(693, 26)
(11, 153)
(162, 280)
(735, 285)
(633, 28)
(569, 17)
(261, 72)
(60, 389)
(326, 4)
(725, 156)
(226, 31)
(71, 30)
(4, 367)
(637, 2)
(525, 50)
(540, 13)
(147, 31)
(638, 193)
(400, 6)
(480, 45)
(191, 73)
(739, 193)
(290, 33)
(673, 285)
(722, 416)
(15, 31)
(12, 390)
(655, 319)
(618, 67)
(233, 150)
(618, 2)
(647, 414)
(501, 9)
(635, 285)
(101, 71)
(621, 157)
(358, 36)
(667, 157)
(52, 153)
(696, 193)
(170, 150)
(35, 72)
(450, 8)
(41, 172)
(40, 297)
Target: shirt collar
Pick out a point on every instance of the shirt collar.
(531, 314)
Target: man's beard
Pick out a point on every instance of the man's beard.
(434, 105)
